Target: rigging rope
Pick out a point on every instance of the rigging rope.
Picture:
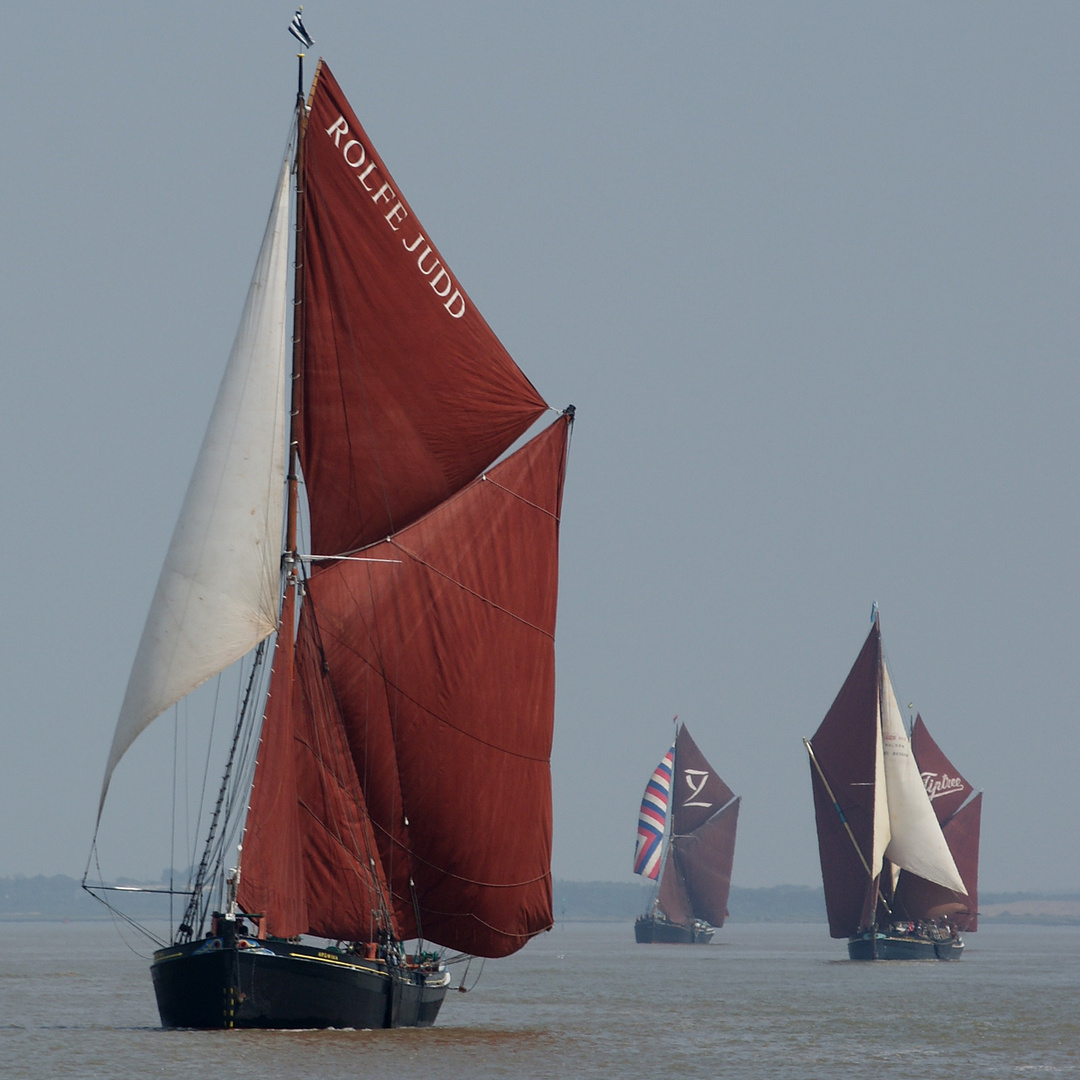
(193, 917)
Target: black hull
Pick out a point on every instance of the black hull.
(881, 946)
(652, 931)
(281, 985)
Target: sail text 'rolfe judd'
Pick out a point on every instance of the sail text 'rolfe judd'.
(383, 195)
(401, 404)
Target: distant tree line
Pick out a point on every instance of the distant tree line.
(60, 897)
(603, 900)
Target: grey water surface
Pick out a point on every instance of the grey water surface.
(765, 1000)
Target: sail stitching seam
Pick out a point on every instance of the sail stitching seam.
(458, 877)
(332, 704)
(528, 502)
(494, 929)
(465, 588)
(434, 715)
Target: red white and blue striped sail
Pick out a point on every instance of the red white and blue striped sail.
(652, 817)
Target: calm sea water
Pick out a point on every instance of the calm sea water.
(585, 1001)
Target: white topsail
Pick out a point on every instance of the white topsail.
(217, 596)
(916, 842)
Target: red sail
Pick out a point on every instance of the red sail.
(672, 897)
(403, 781)
(697, 876)
(947, 789)
(442, 663)
(273, 848)
(705, 858)
(406, 393)
(962, 834)
(311, 864)
(959, 814)
(844, 748)
(697, 792)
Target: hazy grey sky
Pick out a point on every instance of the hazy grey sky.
(808, 271)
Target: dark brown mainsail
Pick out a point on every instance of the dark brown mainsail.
(403, 780)
(696, 880)
(843, 765)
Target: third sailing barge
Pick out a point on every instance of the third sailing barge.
(890, 857)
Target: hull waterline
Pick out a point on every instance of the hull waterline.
(257, 984)
(882, 946)
(652, 931)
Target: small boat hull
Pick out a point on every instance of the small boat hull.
(882, 946)
(652, 931)
(256, 984)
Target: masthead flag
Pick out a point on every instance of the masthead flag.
(296, 28)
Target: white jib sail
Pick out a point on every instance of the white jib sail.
(882, 822)
(917, 844)
(217, 596)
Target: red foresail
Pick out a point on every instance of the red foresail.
(441, 659)
(705, 858)
(406, 392)
(271, 882)
(962, 835)
(311, 864)
(672, 897)
(844, 755)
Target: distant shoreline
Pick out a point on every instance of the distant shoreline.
(581, 901)
(61, 898)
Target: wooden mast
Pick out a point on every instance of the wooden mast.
(292, 507)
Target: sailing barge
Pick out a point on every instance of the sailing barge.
(694, 871)
(898, 827)
(402, 786)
